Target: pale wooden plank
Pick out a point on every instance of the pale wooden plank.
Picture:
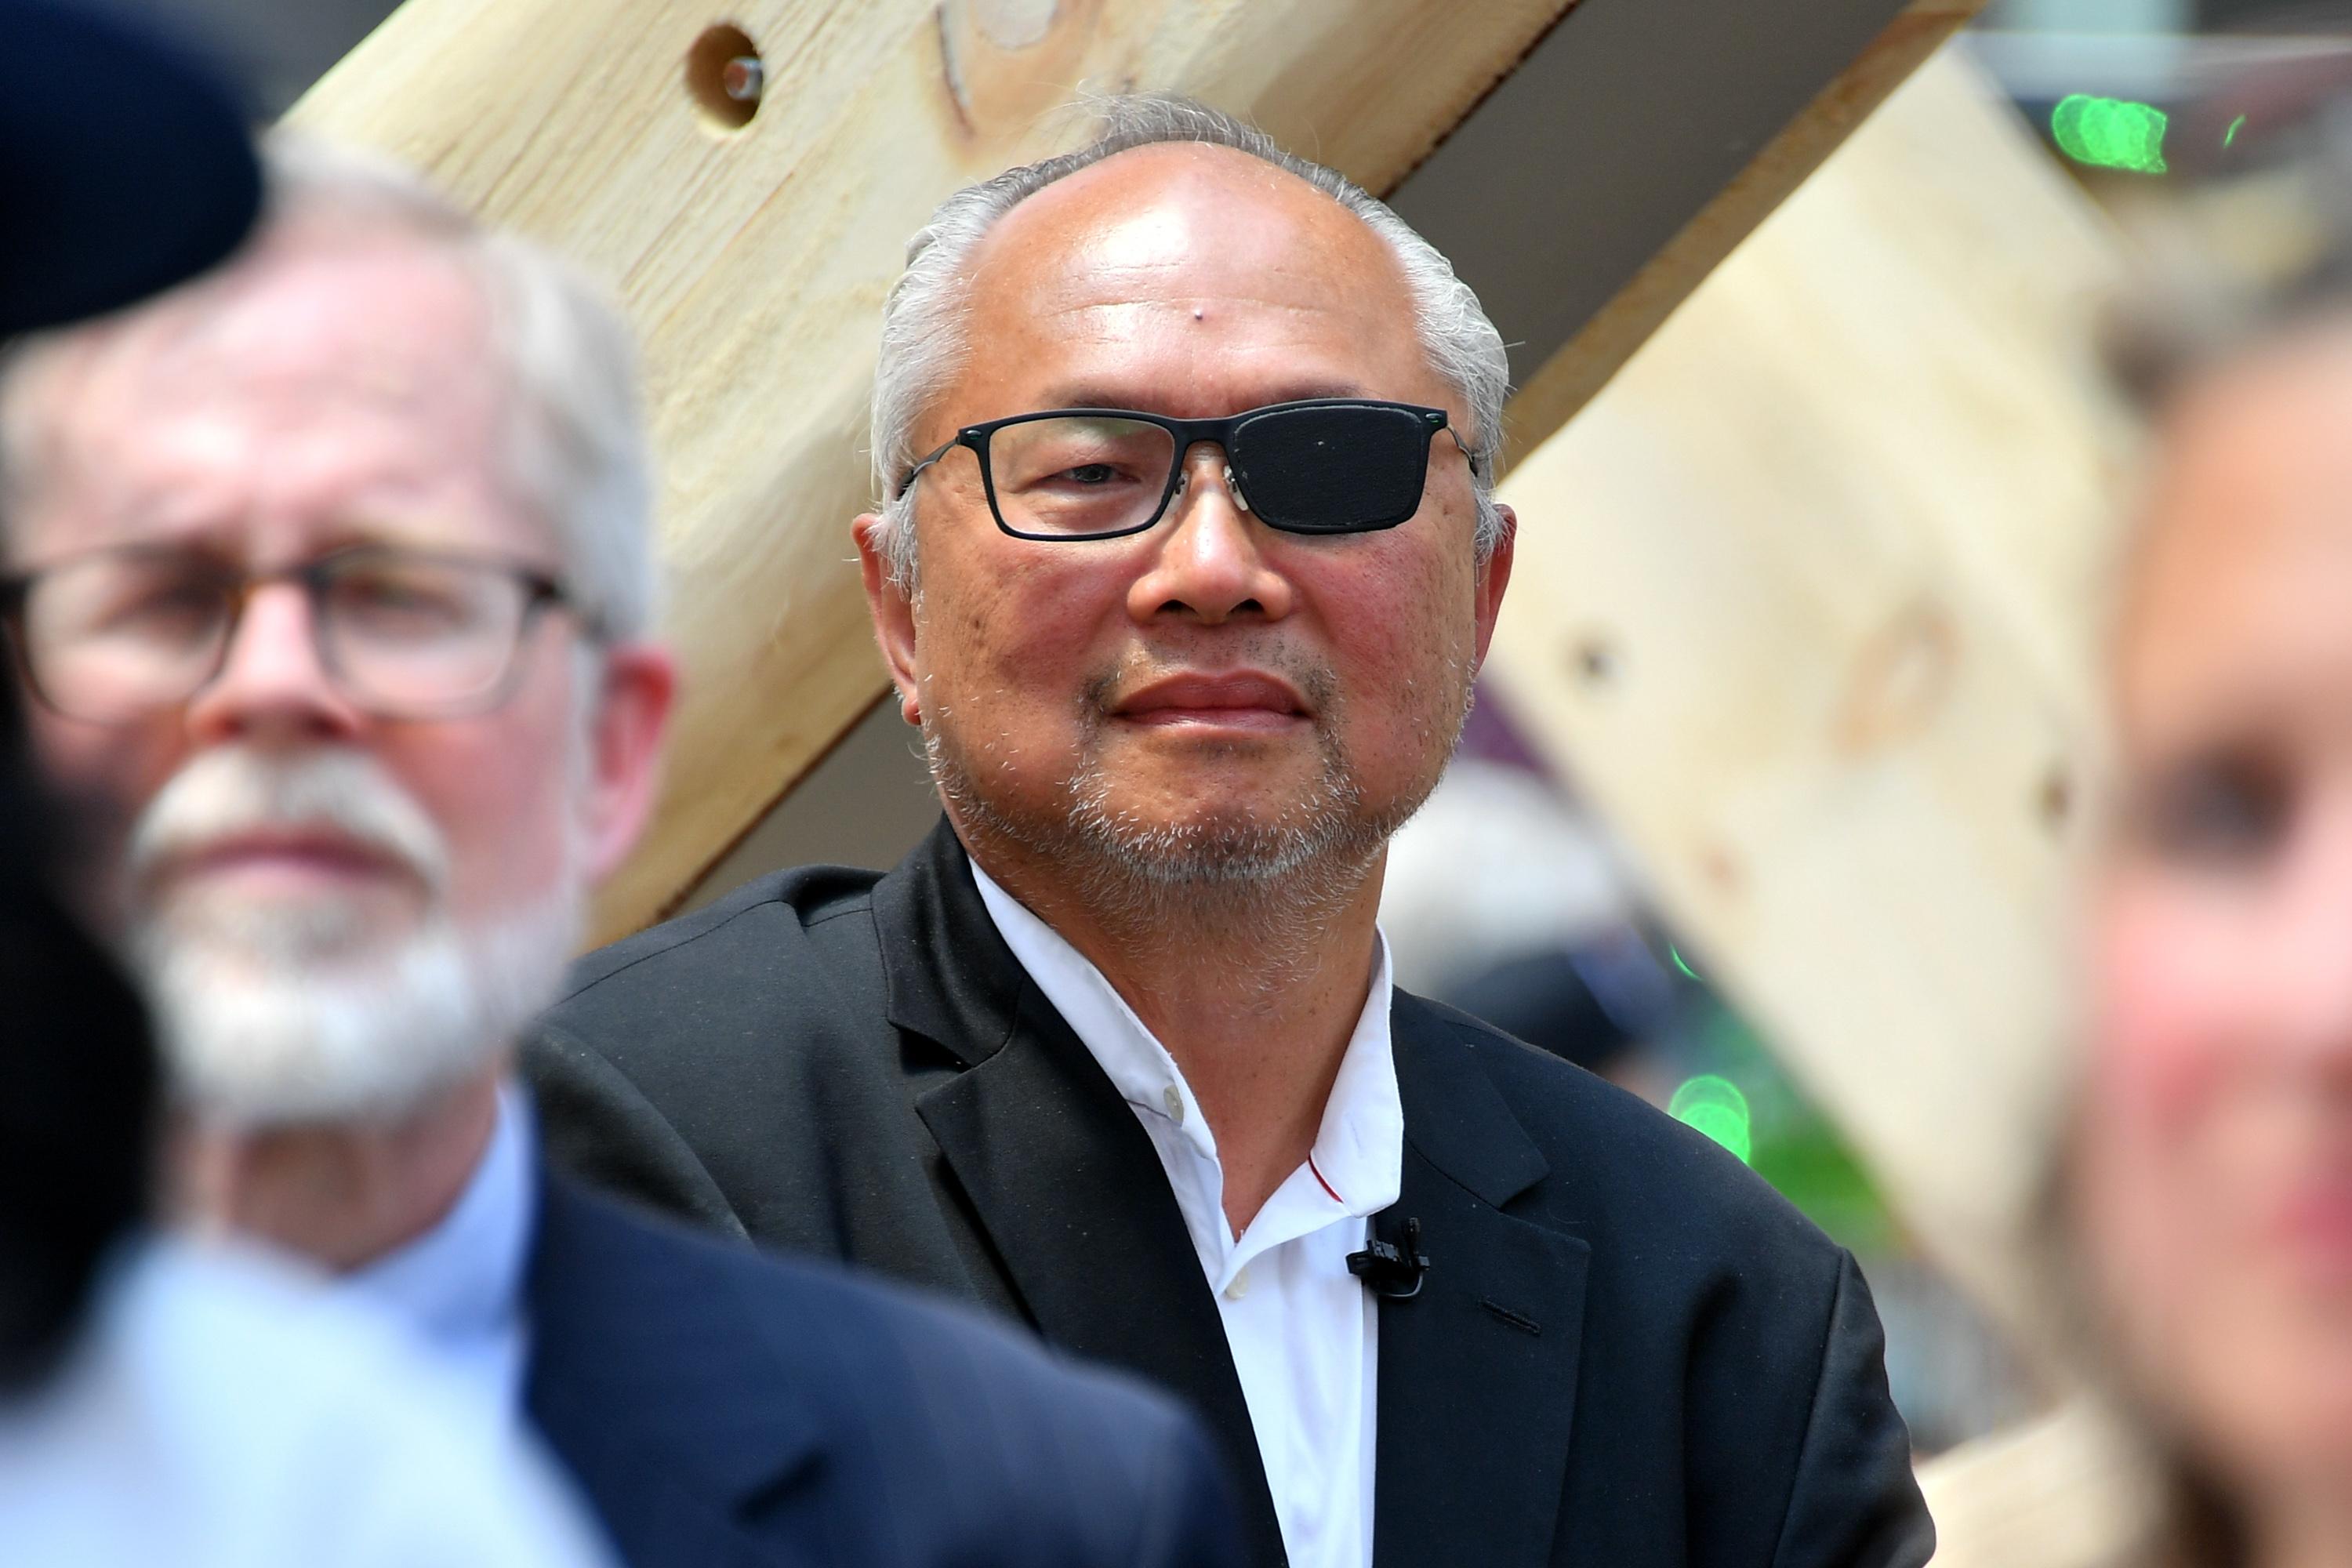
(1805, 602)
(2067, 1489)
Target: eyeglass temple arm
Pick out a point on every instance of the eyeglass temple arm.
(1478, 457)
(920, 464)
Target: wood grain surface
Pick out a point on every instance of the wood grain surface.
(1806, 603)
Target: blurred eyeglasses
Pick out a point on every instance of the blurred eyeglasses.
(121, 634)
(1323, 466)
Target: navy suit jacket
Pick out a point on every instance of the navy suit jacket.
(721, 1408)
(1629, 1353)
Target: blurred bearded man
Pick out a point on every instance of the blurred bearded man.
(330, 582)
(1186, 557)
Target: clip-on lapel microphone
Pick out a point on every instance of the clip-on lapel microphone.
(1389, 1269)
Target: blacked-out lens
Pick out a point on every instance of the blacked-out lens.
(1332, 469)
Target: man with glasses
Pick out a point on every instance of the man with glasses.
(162, 1401)
(1186, 557)
(329, 581)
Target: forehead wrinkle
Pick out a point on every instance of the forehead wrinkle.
(1155, 213)
(1291, 287)
(1181, 307)
(373, 356)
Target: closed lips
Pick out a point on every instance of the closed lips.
(324, 854)
(1223, 699)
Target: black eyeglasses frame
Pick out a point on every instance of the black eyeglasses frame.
(1187, 434)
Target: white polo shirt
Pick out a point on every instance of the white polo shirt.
(1304, 1331)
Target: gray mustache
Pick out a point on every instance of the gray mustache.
(231, 791)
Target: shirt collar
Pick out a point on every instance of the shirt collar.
(460, 1285)
(1357, 1166)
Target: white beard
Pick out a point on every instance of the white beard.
(287, 1014)
(368, 1037)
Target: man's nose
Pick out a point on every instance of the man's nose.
(1209, 564)
(271, 681)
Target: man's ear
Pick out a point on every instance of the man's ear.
(1494, 576)
(893, 609)
(631, 716)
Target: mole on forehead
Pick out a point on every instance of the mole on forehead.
(1144, 269)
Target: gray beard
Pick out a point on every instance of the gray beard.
(1272, 885)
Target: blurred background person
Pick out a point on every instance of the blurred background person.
(157, 1404)
(331, 587)
(2205, 1205)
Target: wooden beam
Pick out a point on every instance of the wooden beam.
(1610, 335)
(1805, 603)
(1633, 149)
(2067, 1489)
(753, 260)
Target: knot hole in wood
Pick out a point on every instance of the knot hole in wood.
(1901, 675)
(1592, 658)
(1008, 63)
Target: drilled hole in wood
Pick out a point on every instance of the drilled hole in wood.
(2056, 799)
(1594, 660)
(726, 76)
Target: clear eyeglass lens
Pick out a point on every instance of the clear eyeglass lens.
(116, 635)
(418, 636)
(1078, 475)
(119, 634)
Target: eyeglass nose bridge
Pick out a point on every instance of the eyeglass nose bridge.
(308, 585)
(1232, 481)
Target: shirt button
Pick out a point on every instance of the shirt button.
(1239, 1287)
(1174, 1100)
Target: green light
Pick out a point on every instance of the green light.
(2110, 134)
(2231, 134)
(1680, 962)
(1715, 1107)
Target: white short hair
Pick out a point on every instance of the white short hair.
(923, 340)
(577, 444)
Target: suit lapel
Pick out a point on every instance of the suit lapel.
(1060, 1174)
(1478, 1373)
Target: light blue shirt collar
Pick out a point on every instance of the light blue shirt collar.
(458, 1287)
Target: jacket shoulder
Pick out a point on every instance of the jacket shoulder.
(1703, 1275)
(933, 1422)
(667, 1068)
(776, 908)
(1621, 1164)
(694, 1001)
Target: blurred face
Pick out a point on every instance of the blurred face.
(339, 910)
(2215, 1176)
(1210, 698)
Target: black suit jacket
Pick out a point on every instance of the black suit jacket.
(1629, 1350)
(721, 1408)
